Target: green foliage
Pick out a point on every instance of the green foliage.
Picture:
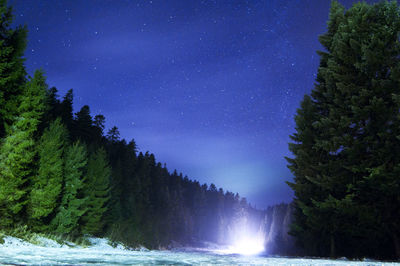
(96, 189)
(12, 71)
(345, 146)
(52, 109)
(17, 152)
(32, 103)
(71, 208)
(47, 184)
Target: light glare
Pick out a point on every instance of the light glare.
(247, 246)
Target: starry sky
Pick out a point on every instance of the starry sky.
(210, 87)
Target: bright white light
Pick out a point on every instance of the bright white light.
(247, 246)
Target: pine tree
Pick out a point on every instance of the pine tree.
(83, 125)
(12, 70)
(113, 135)
(307, 181)
(17, 152)
(96, 189)
(66, 110)
(52, 108)
(47, 184)
(72, 205)
(98, 128)
(346, 146)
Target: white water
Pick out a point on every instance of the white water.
(17, 252)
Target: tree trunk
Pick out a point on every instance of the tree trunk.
(332, 253)
(396, 245)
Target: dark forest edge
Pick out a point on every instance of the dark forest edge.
(60, 174)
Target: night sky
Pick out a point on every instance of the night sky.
(209, 87)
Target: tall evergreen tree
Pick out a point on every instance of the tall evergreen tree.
(98, 128)
(17, 152)
(12, 70)
(96, 189)
(52, 108)
(66, 109)
(47, 184)
(346, 146)
(83, 124)
(72, 205)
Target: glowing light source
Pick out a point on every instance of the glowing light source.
(246, 246)
(245, 237)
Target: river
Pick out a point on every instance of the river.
(17, 252)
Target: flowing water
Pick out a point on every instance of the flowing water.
(17, 252)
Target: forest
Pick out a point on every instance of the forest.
(347, 143)
(61, 173)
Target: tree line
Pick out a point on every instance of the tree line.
(61, 173)
(347, 143)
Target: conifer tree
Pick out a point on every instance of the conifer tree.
(12, 70)
(346, 146)
(47, 184)
(17, 152)
(72, 203)
(113, 135)
(52, 108)
(96, 189)
(98, 128)
(66, 109)
(306, 178)
(83, 124)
